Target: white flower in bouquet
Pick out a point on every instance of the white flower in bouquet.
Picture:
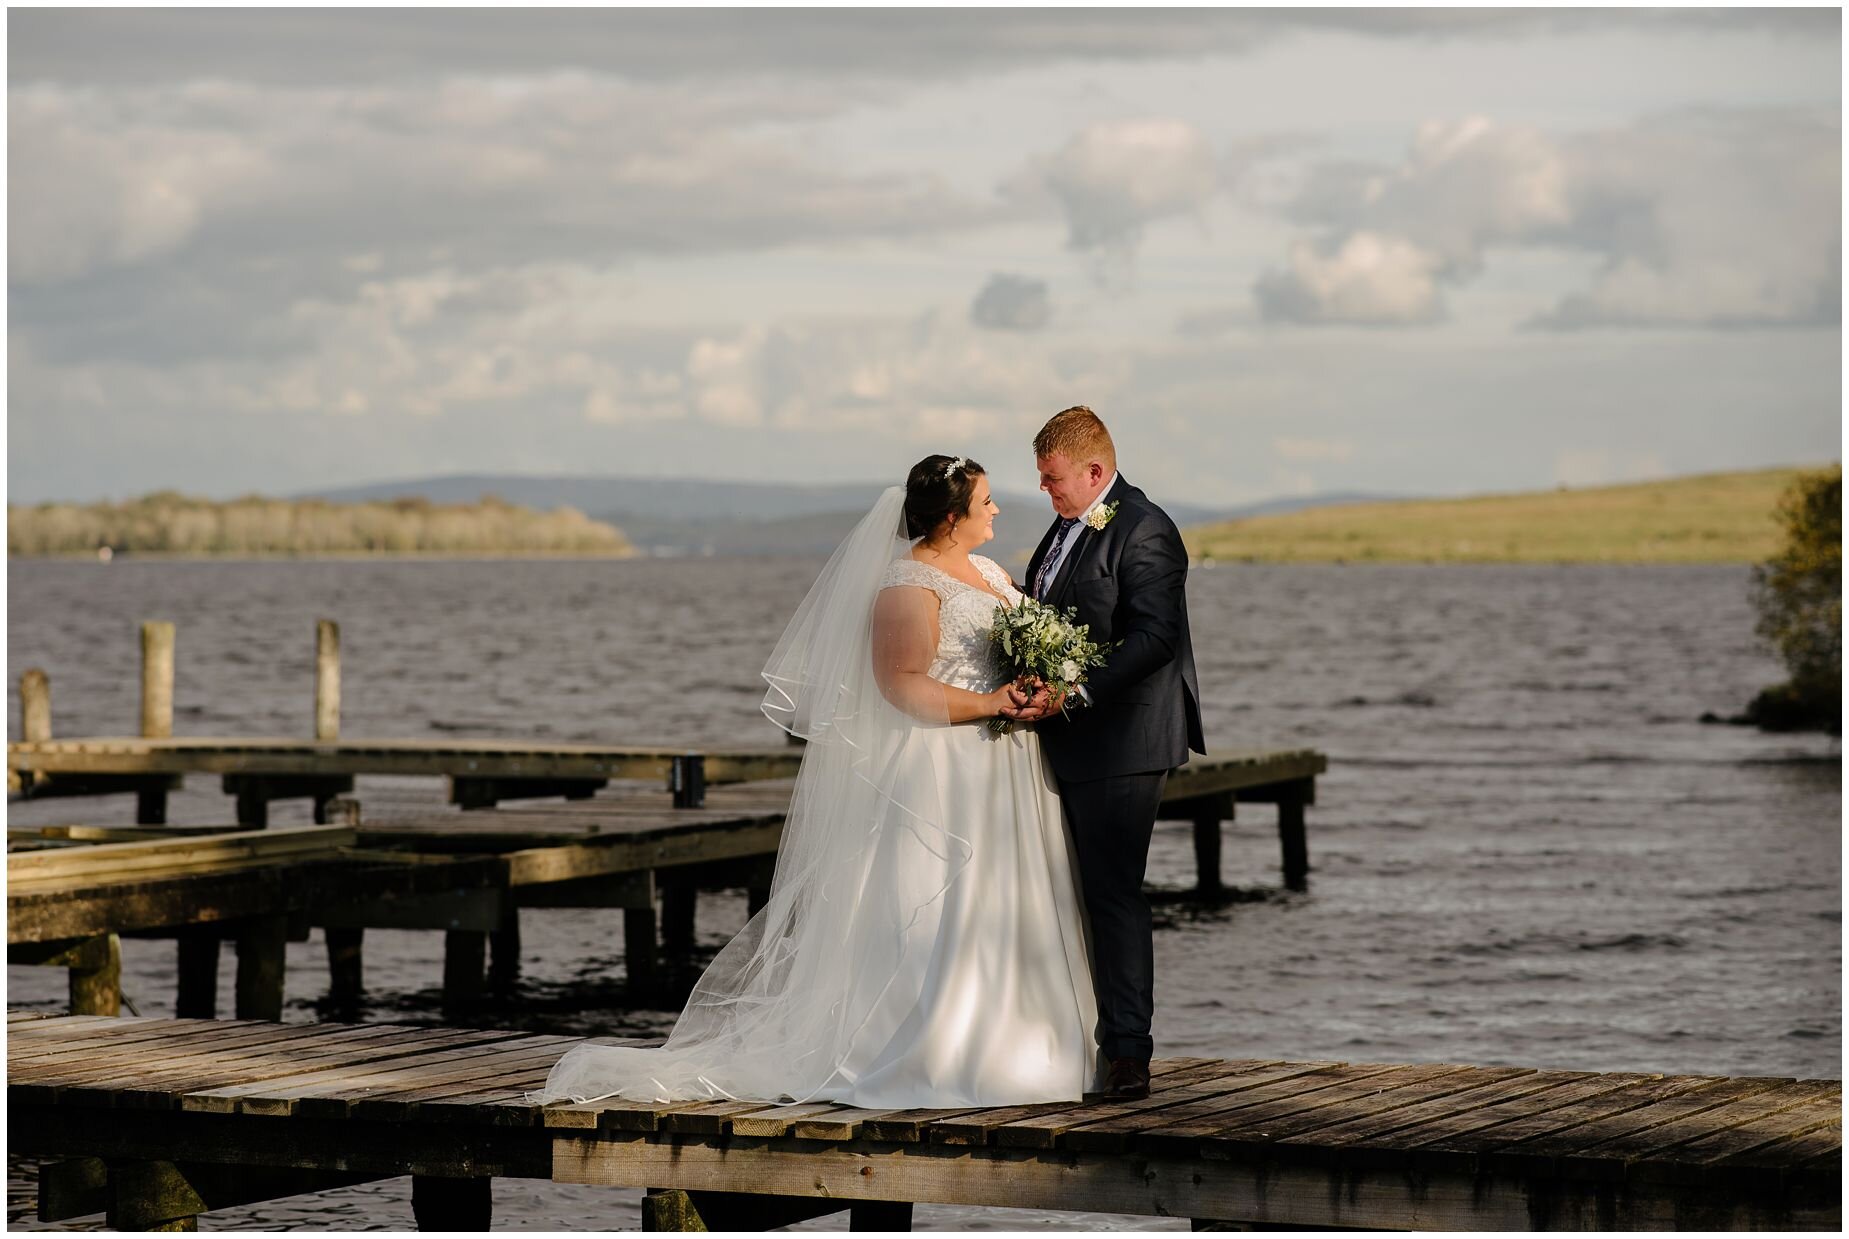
(1034, 641)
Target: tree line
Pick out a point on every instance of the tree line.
(168, 522)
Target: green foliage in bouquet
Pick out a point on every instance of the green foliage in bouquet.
(1034, 640)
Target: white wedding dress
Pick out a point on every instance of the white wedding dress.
(924, 945)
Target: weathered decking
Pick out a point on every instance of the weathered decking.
(202, 1114)
(258, 770)
(644, 847)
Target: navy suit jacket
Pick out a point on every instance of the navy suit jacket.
(1128, 581)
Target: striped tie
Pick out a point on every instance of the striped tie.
(1066, 526)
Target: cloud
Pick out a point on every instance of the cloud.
(1703, 218)
(1114, 178)
(491, 170)
(1366, 279)
(296, 46)
(1011, 303)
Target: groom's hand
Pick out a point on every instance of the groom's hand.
(1043, 704)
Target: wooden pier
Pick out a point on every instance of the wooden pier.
(154, 1122)
(644, 848)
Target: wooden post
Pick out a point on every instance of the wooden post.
(156, 709)
(504, 943)
(156, 678)
(253, 803)
(345, 959)
(885, 1215)
(261, 959)
(1292, 835)
(327, 680)
(677, 908)
(1207, 852)
(670, 1209)
(452, 1204)
(640, 955)
(755, 899)
(96, 978)
(151, 1196)
(464, 952)
(34, 706)
(198, 989)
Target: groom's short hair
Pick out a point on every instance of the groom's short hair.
(1079, 435)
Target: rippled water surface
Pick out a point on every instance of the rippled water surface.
(1527, 849)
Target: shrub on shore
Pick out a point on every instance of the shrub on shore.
(1798, 593)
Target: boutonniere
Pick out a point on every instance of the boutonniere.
(1101, 516)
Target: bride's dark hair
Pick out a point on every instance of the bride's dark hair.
(938, 487)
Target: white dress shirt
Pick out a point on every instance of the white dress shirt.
(1072, 538)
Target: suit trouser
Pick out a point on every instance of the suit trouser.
(1112, 820)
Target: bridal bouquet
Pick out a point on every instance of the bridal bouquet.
(1034, 641)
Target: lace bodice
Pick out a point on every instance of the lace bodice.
(964, 658)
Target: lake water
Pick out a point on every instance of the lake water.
(1527, 849)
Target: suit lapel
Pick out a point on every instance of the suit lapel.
(1088, 541)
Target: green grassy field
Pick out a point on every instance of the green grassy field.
(1708, 518)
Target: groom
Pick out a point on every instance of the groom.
(1118, 558)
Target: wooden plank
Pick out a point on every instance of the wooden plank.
(1539, 1154)
(1262, 1193)
(77, 1055)
(1037, 1126)
(777, 1120)
(1453, 1145)
(1655, 1142)
(1453, 1110)
(282, 756)
(277, 1095)
(1266, 1125)
(161, 1086)
(398, 1100)
(67, 864)
(1777, 1142)
(561, 864)
(1288, 1086)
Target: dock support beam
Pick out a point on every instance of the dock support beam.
(670, 1209)
(1292, 836)
(452, 1204)
(261, 947)
(96, 977)
(677, 904)
(465, 952)
(504, 949)
(345, 963)
(198, 987)
(152, 1196)
(641, 957)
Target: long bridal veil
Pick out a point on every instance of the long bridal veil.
(806, 992)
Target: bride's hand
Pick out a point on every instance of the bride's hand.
(1007, 700)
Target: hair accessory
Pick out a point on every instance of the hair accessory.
(954, 465)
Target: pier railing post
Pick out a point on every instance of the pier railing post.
(156, 710)
(34, 706)
(327, 680)
(151, 1196)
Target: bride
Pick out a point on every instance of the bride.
(923, 944)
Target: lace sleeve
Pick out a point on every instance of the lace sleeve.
(909, 571)
(995, 574)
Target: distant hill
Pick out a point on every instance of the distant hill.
(699, 516)
(1708, 518)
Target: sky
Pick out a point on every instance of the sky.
(1280, 252)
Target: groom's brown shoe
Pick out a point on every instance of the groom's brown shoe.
(1128, 1080)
